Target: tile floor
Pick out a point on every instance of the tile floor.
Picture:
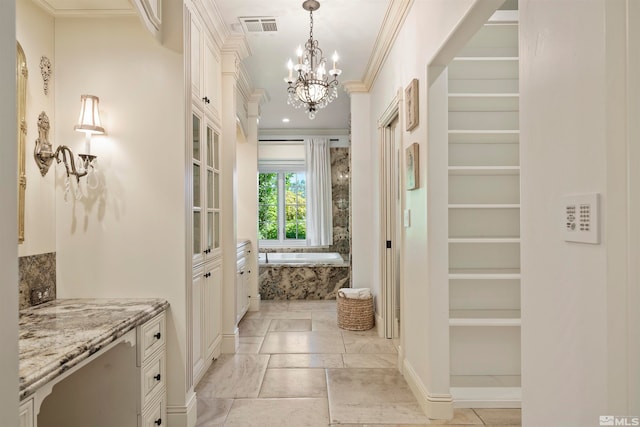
(295, 367)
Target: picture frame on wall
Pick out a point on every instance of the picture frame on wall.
(413, 166)
(411, 104)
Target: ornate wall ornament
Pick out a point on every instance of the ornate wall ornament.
(21, 77)
(43, 153)
(45, 69)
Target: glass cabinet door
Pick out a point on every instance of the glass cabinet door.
(213, 190)
(196, 189)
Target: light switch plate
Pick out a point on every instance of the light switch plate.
(407, 218)
(580, 218)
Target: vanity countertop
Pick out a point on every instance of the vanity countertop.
(58, 335)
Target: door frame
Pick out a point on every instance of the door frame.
(390, 216)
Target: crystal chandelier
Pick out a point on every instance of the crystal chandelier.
(313, 87)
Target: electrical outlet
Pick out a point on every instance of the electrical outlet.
(42, 294)
(580, 220)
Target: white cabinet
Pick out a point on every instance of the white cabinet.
(206, 316)
(243, 278)
(484, 220)
(205, 71)
(26, 414)
(205, 179)
(151, 340)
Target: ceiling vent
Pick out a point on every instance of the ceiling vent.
(258, 24)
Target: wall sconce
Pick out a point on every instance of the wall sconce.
(89, 123)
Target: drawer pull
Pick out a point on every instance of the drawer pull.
(157, 377)
(157, 335)
(158, 421)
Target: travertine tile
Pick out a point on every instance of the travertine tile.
(324, 321)
(252, 327)
(306, 361)
(461, 416)
(233, 376)
(294, 383)
(367, 396)
(212, 412)
(290, 325)
(356, 360)
(308, 412)
(500, 416)
(322, 305)
(367, 344)
(303, 342)
(249, 345)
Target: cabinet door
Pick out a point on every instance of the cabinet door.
(196, 313)
(26, 414)
(197, 171)
(196, 58)
(211, 185)
(212, 309)
(211, 77)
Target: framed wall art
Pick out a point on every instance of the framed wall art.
(413, 167)
(411, 104)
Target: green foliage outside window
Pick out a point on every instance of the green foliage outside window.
(294, 209)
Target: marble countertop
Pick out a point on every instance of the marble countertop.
(58, 335)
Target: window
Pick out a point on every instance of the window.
(282, 208)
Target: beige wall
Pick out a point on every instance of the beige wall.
(35, 32)
(579, 337)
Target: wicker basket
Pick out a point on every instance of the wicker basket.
(355, 314)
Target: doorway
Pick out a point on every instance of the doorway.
(390, 209)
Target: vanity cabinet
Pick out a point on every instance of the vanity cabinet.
(243, 275)
(100, 363)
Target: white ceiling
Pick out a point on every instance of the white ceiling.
(349, 27)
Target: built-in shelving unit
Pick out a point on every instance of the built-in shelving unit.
(484, 218)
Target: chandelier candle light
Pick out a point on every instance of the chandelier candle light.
(313, 87)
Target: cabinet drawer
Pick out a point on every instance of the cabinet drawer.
(153, 377)
(155, 414)
(151, 336)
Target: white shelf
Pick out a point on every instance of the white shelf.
(484, 170)
(484, 240)
(479, 136)
(484, 318)
(484, 206)
(486, 391)
(484, 102)
(484, 274)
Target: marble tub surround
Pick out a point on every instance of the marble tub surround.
(313, 282)
(324, 377)
(36, 276)
(60, 334)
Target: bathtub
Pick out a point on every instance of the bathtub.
(300, 258)
(309, 276)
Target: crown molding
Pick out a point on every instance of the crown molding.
(355, 86)
(83, 12)
(394, 18)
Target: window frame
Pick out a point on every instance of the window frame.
(282, 241)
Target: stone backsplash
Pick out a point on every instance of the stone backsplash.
(36, 279)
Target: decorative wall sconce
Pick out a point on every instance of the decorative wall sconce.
(88, 122)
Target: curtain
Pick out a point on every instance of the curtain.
(319, 203)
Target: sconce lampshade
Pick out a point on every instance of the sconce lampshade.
(89, 121)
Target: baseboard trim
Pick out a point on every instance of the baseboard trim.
(183, 416)
(230, 342)
(379, 325)
(254, 303)
(435, 406)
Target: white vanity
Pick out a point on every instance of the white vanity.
(93, 362)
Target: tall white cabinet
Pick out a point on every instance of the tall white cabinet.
(205, 170)
(484, 218)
